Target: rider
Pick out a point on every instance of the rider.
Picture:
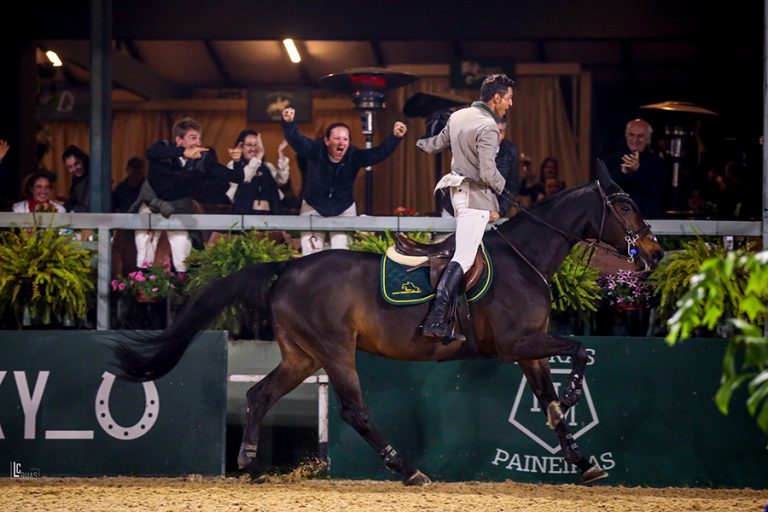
(473, 136)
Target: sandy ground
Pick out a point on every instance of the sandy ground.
(196, 493)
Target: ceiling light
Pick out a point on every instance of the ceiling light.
(293, 53)
(55, 60)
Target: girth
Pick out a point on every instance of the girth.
(438, 256)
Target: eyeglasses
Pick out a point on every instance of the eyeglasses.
(251, 145)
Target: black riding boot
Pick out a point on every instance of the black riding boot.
(439, 320)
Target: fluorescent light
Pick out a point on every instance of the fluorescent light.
(293, 53)
(55, 60)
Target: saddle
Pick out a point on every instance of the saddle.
(437, 257)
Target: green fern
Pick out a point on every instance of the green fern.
(672, 277)
(229, 254)
(574, 285)
(46, 272)
(364, 241)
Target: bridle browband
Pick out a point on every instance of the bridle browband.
(631, 237)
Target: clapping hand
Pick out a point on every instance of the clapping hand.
(289, 114)
(630, 162)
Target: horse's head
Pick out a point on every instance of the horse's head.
(623, 227)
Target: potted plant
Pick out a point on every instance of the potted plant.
(44, 274)
(673, 275)
(575, 292)
(150, 285)
(228, 254)
(366, 241)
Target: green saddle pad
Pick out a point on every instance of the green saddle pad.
(403, 288)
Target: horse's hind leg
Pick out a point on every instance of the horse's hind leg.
(346, 385)
(294, 367)
(539, 378)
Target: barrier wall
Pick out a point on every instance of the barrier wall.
(647, 416)
(62, 412)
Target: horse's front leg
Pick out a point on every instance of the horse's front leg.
(346, 385)
(542, 345)
(539, 378)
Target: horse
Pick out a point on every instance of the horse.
(324, 307)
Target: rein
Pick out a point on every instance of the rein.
(631, 236)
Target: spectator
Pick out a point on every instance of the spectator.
(550, 168)
(332, 165)
(508, 164)
(7, 188)
(37, 190)
(175, 167)
(127, 191)
(552, 186)
(76, 162)
(640, 173)
(531, 190)
(260, 191)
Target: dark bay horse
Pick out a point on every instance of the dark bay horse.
(324, 307)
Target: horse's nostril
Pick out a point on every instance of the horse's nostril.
(657, 256)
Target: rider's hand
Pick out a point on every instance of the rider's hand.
(399, 129)
(494, 217)
(289, 114)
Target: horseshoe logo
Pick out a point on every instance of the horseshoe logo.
(110, 426)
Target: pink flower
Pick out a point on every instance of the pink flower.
(121, 286)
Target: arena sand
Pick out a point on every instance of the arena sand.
(196, 493)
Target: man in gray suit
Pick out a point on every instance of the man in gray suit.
(473, 136)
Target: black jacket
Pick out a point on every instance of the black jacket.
(262, 186)
(328, 186)
(171, 181)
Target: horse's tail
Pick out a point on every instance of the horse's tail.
(143, 358)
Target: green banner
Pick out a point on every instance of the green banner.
(62, 412)
(647, 416)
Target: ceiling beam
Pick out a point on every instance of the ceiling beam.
(126, 71)
(213, 53)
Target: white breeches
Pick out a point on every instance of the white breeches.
(146, 245)
(312, 241)
(470, 227)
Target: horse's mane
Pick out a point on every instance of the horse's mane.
(545, 208)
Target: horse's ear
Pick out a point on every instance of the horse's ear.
(604, 177)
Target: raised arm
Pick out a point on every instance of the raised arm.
(372, 156)
(301, 145)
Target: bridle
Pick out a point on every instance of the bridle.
(631, 236)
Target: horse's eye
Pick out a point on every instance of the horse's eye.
(625, 208)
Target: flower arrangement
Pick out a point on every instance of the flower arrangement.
(403, 211)
(626, 288)
(150, 284)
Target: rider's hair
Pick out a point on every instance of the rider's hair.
(493, 84)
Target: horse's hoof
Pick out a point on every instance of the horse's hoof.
(554, 414)
(258, 479)
(418, 478)
(593, 474)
